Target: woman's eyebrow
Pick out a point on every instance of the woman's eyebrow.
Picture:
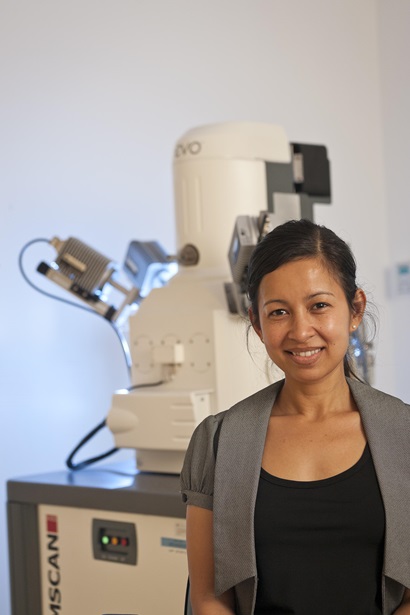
(312, 296)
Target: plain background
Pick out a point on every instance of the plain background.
(93, 96)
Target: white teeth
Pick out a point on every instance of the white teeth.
(308, 353)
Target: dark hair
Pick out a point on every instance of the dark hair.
(299, 239)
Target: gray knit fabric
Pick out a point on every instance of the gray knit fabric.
(198, 472)
(229, 485)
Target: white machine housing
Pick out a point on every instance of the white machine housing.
(183, 335)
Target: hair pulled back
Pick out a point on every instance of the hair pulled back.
(296, 240)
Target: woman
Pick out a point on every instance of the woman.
(298, 496)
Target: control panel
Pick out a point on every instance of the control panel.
(114, 541)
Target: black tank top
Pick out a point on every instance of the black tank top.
(319, 544)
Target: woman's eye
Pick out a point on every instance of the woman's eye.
(320, 305)
(278, 312)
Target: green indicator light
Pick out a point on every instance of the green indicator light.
(105, 540)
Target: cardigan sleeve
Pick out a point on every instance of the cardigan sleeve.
(198, 471)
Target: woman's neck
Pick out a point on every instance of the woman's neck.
(315, 401)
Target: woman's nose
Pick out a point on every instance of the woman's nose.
(301, 327)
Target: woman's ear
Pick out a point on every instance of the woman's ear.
(255, 323)
(359, 307)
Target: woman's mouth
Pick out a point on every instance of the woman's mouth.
(305, 353)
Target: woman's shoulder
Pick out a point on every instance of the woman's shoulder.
(209, 425)
(367, 395)
(381, 412)
(205, 438)
(207, 428)
(197, 474)
(260, 399)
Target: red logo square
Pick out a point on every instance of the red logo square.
(52, 524)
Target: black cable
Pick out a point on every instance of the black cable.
(146, 384)
(187, 605)
(40, 290)
(83, 464)
(69, 462)
(66, 301)
(92, 433)
(87, 462)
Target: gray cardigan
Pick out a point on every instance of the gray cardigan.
(228, 486)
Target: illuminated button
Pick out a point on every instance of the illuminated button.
(114, 541)
(105, 540)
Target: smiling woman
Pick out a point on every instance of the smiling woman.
(298, 242)
(304, 319)
(298, 495)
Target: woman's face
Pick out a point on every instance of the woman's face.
(304, 320)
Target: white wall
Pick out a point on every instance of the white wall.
(395, 51)
(94, 94)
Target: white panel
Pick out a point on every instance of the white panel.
(93, 587)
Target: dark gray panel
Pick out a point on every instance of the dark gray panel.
(108, 551)
(279, 178)
(108, 489)
(24, 559)
(315, 171)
